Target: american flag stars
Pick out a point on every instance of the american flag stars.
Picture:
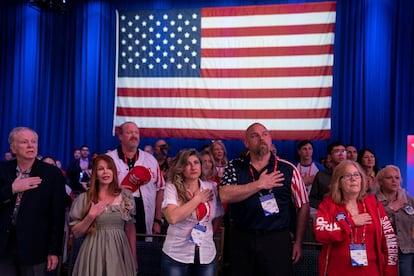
(159, 44)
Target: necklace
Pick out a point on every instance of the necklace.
(391, 197)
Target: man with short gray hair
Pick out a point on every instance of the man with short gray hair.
(32, 209)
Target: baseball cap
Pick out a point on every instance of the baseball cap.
(136, 177)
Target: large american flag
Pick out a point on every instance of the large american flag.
(211, 72)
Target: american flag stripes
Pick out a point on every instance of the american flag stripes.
(211, 72)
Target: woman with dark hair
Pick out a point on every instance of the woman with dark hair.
(49, 159)
(105, 216)
(356, 235)
(367, 159)
(189, 206)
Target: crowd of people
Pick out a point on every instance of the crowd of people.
(358, 212)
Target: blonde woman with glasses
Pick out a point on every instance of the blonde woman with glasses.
(356, 235)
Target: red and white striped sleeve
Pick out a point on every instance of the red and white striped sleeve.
(299, 195)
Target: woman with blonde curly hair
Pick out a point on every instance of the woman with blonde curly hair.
(189, 206)
(105, 216)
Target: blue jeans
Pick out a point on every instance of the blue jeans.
(406, 264)
(170, 267)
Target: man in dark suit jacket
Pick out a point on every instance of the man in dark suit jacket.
(79, 171)
(32, 209)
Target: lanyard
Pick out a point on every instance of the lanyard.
(130, 162)
(354, 231)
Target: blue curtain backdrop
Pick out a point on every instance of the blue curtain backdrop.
(57, 75)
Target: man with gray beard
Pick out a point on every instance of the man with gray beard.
(261, 192)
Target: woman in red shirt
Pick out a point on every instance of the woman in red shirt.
(357, 236)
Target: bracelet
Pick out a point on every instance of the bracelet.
(159, 221)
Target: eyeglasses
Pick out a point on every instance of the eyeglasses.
(338, 151)
(349, 176)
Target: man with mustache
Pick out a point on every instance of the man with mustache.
(263, 194)
(148, 197)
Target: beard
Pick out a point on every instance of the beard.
(262, 149)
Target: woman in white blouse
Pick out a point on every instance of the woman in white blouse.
(189, 206)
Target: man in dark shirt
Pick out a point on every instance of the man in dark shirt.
(261, 191)
(79, 171)
(322, 180)
(32, 209)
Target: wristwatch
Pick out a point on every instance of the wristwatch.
(159, 221)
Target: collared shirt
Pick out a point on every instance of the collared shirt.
(177, 245)
(248, 214)
(25, 174)
(149, 190)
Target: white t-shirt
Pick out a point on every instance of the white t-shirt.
(177, 244)
(309, 170)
